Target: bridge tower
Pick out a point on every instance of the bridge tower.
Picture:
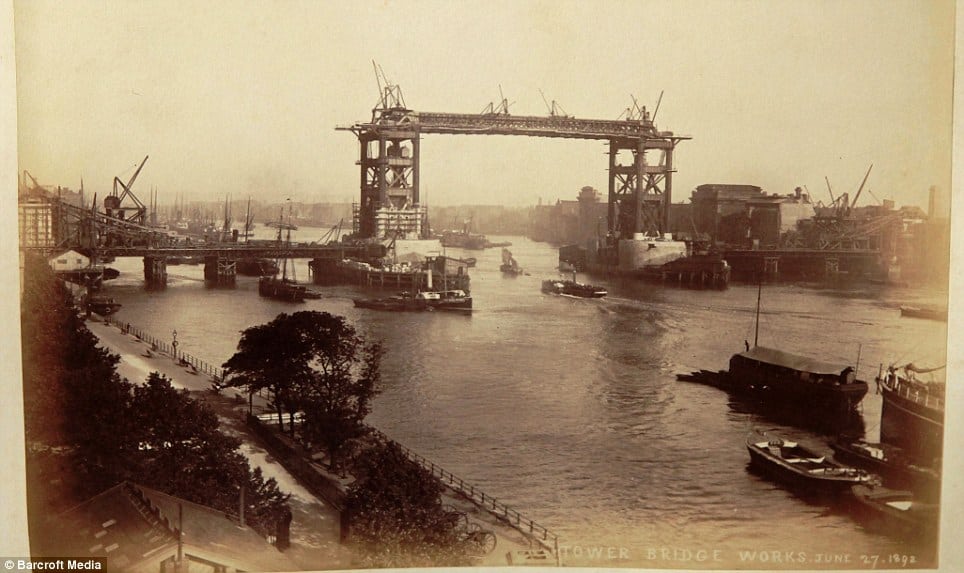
(641, 180)
(389, 164)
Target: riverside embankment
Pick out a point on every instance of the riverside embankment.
(315, 528)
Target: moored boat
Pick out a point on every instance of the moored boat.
(912, 416)
(773, 375)
(286, 289)
(897, 509)
(930, 313)
(891, 463)
(573, 288)
(791, 463)
(101, 305)
(281, 289)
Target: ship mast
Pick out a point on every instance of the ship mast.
(759, 293)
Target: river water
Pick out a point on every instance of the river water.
(569, 410)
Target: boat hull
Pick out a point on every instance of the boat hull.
(281, 290)
(926, 313)
(389, 304)
(891, 463)
(770, 383)
(573, 289)
(812, 474)
(907, 421)
(897, 510)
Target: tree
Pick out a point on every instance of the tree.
(153, 434)
(72, 393)
(270, 357)
(314, 362)
(45, 317)
(344, 379)
(182, 451)
(395, 512)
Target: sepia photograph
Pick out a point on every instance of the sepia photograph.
(328, 285)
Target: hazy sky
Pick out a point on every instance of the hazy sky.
(243, 97)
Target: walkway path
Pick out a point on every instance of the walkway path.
(315, 525)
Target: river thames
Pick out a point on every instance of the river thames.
(569, 410)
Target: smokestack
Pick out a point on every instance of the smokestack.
(932, 202)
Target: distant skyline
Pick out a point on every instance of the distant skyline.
(242, 98)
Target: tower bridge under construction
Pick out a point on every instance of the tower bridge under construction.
(640, 192)
(640, 160)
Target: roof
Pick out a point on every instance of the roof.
(792, 361)
(109, 525)
(66, 252)
(211, 529)
(129, 524)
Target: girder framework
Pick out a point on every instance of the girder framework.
(389, 174)
(640, 188)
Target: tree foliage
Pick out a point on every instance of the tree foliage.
(396, 512)
(182, 451)
(313, 362)
(150, 434)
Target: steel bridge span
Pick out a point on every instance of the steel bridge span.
(640, 157)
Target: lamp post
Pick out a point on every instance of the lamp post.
(174, 343)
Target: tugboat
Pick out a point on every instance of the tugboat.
(446, 300)
(451, 300)
(573, 288)
(397, 303)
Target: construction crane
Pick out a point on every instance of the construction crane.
(114, 203)
(555, 110)
(501, 109)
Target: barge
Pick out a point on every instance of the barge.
(449, 273)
